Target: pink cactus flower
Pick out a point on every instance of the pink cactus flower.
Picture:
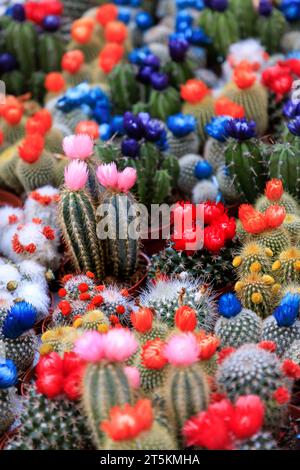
(126, 179)
(133, 376)
(182, 350)
(119, 344)
(78, 147)
(108, 176)
(76, 175)
(90, 347)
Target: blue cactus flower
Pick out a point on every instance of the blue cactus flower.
(294, 126)
(291, 109)
(181, 124)
(216, 128)
(291, 9)
(20, 318)
(265, 8)
(8, 373)
(229, 305)
(286, 314)
(240, 129)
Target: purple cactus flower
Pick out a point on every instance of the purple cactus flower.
(159, 81)
(265, 8)
(291, 109)
(294, 126)
(218, 5)
(144, 75)
(130, 148)
(154, 130)
(178, 48)
(240, 129)
(152, 61)
(132, 126)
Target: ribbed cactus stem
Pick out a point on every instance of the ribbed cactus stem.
(284, 164)
(104, 386)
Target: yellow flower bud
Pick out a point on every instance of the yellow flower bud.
(276, 265)
(256, 298)
(255, 267)
(237, 261)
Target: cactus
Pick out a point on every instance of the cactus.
(8, 377)
(21, 350)
(258, 293)
(270, 28)
(21, 41)
(282, 336)
(260, 441)
(166, 296)
(50, 424)
(115, 209)
(199, 103)
(35, 166)
(76, 307)
(104, 385)
(8, 163)
(276, 240)
(93, 320)
(185, 390)
(7, 414)
(252, 96)
(180, 146)
(59, 339)
(214, 152)
(237, 325)
(245, 15)
(274, 194)
(50, 51)
(253, 258)
(124, 88)
(293, 352)
(164, 104)
(216, 268)
(187, 179)
(225, 30)
(116, 304)
(287, 267)
(15, 83)
(283, 164)
(252, 370)
(245, 163)
(78, 222)
(291, 224)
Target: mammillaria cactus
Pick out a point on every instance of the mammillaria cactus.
(17, 339)
(198, 102)
(183, 139)
(42, 203)
(282, 327)
(244, 159)
(251, 369)
(59, 339)
(115, 209)
(167, 295)
(105, 383)
(237, 325)
(293, 352)
(247, 92)
(78, 222)
(144, 434)
(274, 194)
(214, 149)
(92, 320)
(35, 166)
(270, 26)
(225, 29)
(265, 229)
(52, 417)
(186, 389)
(8, 378)
(253, 258)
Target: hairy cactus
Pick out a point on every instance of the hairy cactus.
(116, 209)
(226, 185)
(293, 352)
(187, 179)
(216, 268)
(66, 312)
(214, 152)
(253, 258)
(237, 325)
(124, 87)
(50, 424)
(179, 146)
(252, 96)
(93, 320)
(225, 31)
(258, 293)
(104, 385)
(291, 224)
(35, 167)
(60, 340)
(166, 296)
(77, 221)
(270, 27)
(276, 240)
(244, 159)
(185, 390)
(252, 370)
(287, 267)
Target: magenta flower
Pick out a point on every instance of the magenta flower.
(76, 175)
(108, 176)
(90, 347)
(119, 344)
(78, 146)
(126, 179)
(133, 376)
(182, 350)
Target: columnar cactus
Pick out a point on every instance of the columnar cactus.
(124, 87)
(270, 26)
(236, 325)
(77, 221)
(115, 213)
(245, 15)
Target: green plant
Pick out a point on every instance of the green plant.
(164, 104)
(282, 335)
(78, 222)
(291, 224)
(293, 352)
(276, 240)
(286, 268)
(92, 320)
(284, 164)
(245, 15)
(21, 350)
(8, 163)
(124, 88)
(200, 105)
(236, 325)
(6, 411)
(104, 385)
(258, 293)
(260, 441)
(274, 194)
(270, 28)
(252, 258)
(50, 424)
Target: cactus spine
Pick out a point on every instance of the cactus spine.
(104, 386)
(164, 104)
(284, 164)
(258, 293)
(270, 30)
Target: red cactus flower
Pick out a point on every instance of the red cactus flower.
(268, 346)
(185, 318)
(142, 319)
(152, 354)
(291, 369)
(274, 216)
(225, 352)
(225, 107)
(274, 189)
(243, 78)
(248, 416)
(65, 307)
(214, 238)
(281, 395)
(193, 91)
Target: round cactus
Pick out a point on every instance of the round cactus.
(260, 441)
(253, 258)
(274, 194)
(286, 268)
